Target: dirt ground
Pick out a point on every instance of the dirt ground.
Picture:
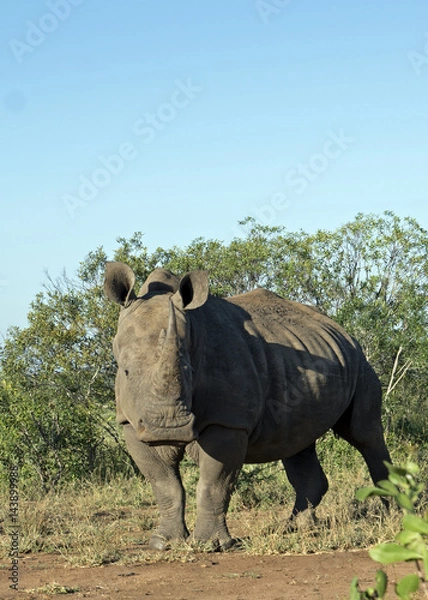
(229, 576)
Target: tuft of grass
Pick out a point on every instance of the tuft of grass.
(54, 588)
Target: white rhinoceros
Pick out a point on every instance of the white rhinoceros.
(248, 379)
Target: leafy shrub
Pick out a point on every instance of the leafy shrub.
(411, 542)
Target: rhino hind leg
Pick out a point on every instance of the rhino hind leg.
(307, 478)
(371, 445)
(160, 465)
(361, 425)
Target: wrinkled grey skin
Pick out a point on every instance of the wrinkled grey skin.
(250, 379)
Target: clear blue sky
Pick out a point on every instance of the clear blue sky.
(178, 119)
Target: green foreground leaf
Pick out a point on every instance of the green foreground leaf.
(408, 585)
(365, 492)
(381, 583)
(405, 502)
(391, 553)
(415, 523)
(354, 592)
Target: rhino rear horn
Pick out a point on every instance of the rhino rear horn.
(119, 283)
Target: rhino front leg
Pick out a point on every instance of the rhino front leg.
(221, 455)
(159, 464)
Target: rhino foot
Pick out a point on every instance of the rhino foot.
(216, 545)
(230, 544)
(302, 521)
(158, 542)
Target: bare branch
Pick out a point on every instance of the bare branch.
(393, 382)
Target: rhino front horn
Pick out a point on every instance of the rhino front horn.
(166, 376)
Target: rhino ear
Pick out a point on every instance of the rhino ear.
(119, 283)
(193, 291)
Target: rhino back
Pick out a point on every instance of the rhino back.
(295, 325)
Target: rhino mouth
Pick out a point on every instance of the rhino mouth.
(160, 434)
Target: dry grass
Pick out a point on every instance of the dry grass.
(88, 524)
(95, 524)
(340, 522)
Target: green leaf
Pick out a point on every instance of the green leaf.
(391, 553)
(354, 593)
(400, 471)
(408, 537)
(418, 488)
(420, 547)
(405, 502)
(364, 493)
(381, 583)
(397, 479)
(408, 585)
(415, 523)
(412, 468)
(389, 487)
(425, 561)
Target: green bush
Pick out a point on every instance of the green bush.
(410, 543)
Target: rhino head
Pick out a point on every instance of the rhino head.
(154, 384)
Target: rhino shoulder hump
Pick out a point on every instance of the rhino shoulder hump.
(265, 306)
(258, 297)
(265, 301)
